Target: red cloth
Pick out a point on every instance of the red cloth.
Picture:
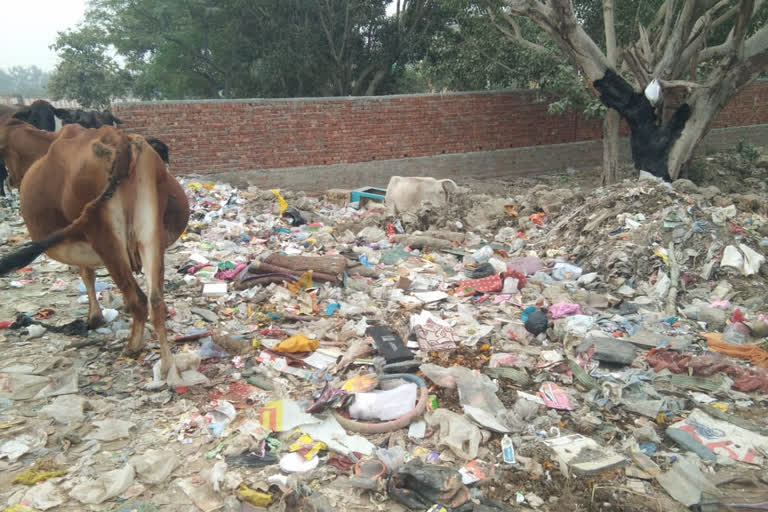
(484, 285)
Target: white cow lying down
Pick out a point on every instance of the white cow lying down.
(406, 194)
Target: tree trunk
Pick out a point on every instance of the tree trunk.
(695, 129)
(611, 120)
(375, 82)
(610, 148)
(651, 142)
(705, 104)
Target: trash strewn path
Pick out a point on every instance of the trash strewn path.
(549, 349)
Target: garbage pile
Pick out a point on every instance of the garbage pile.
(552, 350)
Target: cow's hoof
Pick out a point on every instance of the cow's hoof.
(133, 352)
(95, 322)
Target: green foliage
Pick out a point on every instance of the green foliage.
(86, 72)
(747, 150)
(25, 81)
(477, 55)
(241, 48)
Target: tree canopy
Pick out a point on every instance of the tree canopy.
(240, 48)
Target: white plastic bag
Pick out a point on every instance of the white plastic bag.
(384, 405)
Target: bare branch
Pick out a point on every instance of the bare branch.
(680, 84)
(697, 40)
(636, 66)
(661, 14)
(703, 24)
(516, 34)
(725, 16)
(669, 10)
(610, 32)
(746, 8)
(665, 65)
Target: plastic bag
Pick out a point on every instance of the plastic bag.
(384, 405)
(566, 272)
(297, 343)
(456, 433)
(475, 390)
(579, 325)
(109, 485)
(419, 486)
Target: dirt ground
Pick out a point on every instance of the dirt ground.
(564, 217)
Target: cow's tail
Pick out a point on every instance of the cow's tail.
(120, 169)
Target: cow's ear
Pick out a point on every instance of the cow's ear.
(60, 112)
(22, 115)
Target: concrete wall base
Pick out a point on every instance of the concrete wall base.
(481, 164)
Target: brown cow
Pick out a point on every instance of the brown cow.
(99, 198)
(21, 144)
(6, 112)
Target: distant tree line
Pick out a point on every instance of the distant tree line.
(25, 81)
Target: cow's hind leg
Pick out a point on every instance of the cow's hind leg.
(95, 319)
(115, 257)
(152, 259)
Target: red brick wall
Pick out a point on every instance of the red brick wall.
(220, 136)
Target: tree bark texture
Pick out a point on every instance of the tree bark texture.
(610, 148)
(611, 120)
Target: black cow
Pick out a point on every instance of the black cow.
(160, 147)
(42, 115)
(87, 119)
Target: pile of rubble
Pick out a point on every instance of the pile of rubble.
(548, 350)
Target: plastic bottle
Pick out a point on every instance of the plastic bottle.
(508, 450)
(736, 333)
(483, 255)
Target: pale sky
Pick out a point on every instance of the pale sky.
(28, 27)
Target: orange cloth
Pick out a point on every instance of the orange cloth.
(757, 355)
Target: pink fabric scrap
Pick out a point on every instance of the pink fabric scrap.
(564, 309)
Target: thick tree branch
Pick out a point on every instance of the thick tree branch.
(757, 43)
(679, 84)
(714, 52)
(559, 22)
